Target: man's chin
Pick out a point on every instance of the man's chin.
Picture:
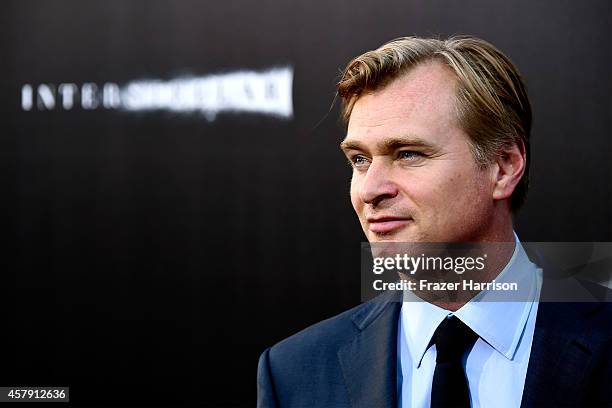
(393, 246)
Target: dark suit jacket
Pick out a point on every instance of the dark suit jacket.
(350, 360)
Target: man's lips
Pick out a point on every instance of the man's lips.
(383, 225)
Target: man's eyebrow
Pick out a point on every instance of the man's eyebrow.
(348, 144)
(390, 143)
(403, 141)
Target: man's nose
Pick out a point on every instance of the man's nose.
(377, 184)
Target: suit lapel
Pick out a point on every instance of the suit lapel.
(369, 361)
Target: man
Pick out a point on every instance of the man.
(438, 138)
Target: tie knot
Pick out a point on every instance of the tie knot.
(452, 338)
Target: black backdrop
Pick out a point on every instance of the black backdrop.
(152, 256)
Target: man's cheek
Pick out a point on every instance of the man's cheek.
(355, 195)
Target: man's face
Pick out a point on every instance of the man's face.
(414, 176)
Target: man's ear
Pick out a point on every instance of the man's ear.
(510, 166)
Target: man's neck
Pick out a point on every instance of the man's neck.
(499, 254)
(494, 249)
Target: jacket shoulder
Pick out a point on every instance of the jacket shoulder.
(319, 337)
(335, 331)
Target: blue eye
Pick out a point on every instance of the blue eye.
(409, 155)
(359, 161)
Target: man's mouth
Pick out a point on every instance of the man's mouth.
(386, 225)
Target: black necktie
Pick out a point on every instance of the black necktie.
(450, 388)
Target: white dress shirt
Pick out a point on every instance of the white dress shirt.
(496, 365)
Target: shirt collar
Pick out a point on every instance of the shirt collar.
(500, 323)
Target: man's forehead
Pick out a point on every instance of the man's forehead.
(416, 108)
(429, 86)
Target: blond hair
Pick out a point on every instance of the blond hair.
(492, 104)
